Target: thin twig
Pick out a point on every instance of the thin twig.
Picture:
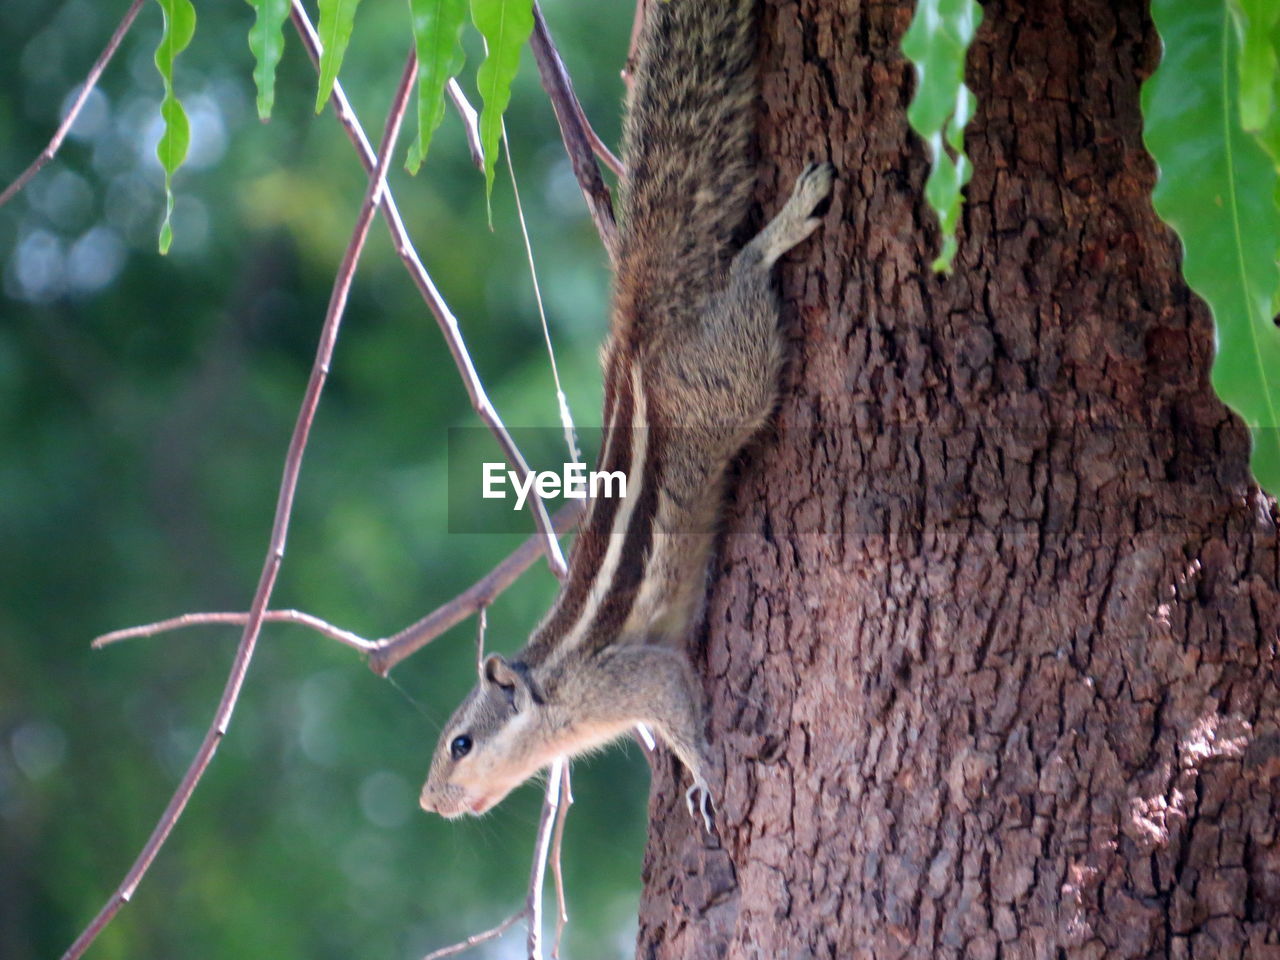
(91, 81)
(557, 870)
(531, 912)
(377, 195)
(390, 651)
(598, 146)
(385, 653)
(469, 121)
(279, 527)
(482, 622)
(541, 852)
(476, 938)
(573, 131)
(562, 402)
(637, 26)
(201, 619)
(444, 317)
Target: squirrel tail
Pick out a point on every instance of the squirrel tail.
(687, 146)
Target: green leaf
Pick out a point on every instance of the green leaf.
(437, 27)
(179, 27)
(1217, 190)
(266, 40)
(1258, 27)
(1255, 22)
(337, 17)
(505, 25)
(936, 42)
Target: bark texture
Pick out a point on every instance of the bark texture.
(992, 645)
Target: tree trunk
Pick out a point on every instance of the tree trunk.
(991, 646)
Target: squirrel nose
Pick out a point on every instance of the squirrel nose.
(425, 801)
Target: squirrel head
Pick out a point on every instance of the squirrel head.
(493, 742)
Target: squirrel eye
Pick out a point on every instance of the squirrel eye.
(460, 747)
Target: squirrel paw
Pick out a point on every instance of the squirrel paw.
(813, 186)
(795, 221)
(698, 798)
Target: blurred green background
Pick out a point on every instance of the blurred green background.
(145, 405)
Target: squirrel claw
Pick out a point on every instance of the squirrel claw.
(814, 184)
(698, 798)
(796, 220)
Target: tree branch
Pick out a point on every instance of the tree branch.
(383, 654)
(561, 91)
(404, 247)
(234, 619)
(279, 528)
(476, 938)
(557, 845)
(444, 317)
(386, 653)
(578, 142)
(598, 146)
(637, 25)
(91, 81)
(469, 122)
(541, 851)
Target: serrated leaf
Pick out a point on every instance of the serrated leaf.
(1217, 189)
(437, 28)
(505, 26)
(936, 43)
(266, 40)
(179, 27)
(337, 18)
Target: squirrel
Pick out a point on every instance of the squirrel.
(691, 372)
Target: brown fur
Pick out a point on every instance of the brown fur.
(690, 375)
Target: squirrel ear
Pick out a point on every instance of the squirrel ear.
(498, 671)
(513, 679)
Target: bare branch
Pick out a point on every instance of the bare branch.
(386, 653)
(598, 146)
(468, 114)
(557, 845)
(482, 622)
(476, 938)
(573, 130)
(389, 652)
(279, 527)
(637, 25)
(555, 802)
(91, 81)
(444, 317)
(541, 852)
(238, 619)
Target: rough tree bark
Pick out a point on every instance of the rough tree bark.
(992, 642)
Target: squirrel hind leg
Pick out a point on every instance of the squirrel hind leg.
(796, 220)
